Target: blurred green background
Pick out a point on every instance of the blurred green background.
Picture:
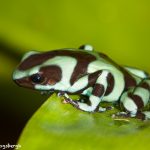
(121, 29)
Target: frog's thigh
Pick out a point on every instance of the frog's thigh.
(134, 100)
(137, 72)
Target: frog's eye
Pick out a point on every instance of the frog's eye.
(36, 78)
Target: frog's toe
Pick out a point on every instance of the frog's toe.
(121, 115)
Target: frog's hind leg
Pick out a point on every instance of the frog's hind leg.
(135, 99)
(98, 91)
(140, 73)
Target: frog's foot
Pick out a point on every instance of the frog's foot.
(103, 109)
(61, 94)
(72, 102)
(121, 115)
(67, 99)
(64, 97)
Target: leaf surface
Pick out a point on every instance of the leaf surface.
(60, 126)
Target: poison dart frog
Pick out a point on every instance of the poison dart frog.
(87, 73)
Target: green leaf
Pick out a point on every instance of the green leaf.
(61, 126)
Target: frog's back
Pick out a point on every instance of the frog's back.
(85, 62)
(38, 58)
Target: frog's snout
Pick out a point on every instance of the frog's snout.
(19, 82)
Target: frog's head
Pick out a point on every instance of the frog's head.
(33, 73)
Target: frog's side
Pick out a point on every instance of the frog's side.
(82, 71)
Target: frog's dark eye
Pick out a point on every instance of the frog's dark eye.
(36, 78)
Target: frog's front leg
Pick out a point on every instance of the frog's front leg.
(97, 94)
(66, 97)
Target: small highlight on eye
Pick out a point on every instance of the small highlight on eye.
(36, 78)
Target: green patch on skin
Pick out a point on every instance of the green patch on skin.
(61, 126)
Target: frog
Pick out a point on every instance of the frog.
(87, 73)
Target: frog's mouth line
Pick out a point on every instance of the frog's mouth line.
(23, 82)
